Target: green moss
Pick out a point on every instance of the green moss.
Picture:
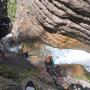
(28, 73)
(11, 9)
(17, 74)
(8, 72)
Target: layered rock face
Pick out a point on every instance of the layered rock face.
(72, 69)
(38, 18)
(63, 24)
(58, 23)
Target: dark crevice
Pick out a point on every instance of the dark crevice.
(3, 7)
(70, 17)
(50, 1)
(86, 33)
(5, 26)
(75, 35)
(61, 8)
(79, 12)
(75, 10)
(62, 17)
(77, 20)
(5, 22)
(83, 13)
(50, 30)
(87, 1)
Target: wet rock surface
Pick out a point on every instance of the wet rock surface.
(35, 18)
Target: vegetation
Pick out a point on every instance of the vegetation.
(8, 72)
(17, 74)
(28, 73)
(11, 9)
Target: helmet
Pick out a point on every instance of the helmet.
(49, 57)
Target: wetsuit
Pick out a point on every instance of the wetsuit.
(26, 55)
(50, 68)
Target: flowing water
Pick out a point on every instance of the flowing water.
(60, 56)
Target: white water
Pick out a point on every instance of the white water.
(69, 56)
(6, 44)
(15, 49)
(9, 35)
(64, 56)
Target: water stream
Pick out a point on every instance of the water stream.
(70, 56)
(60, 56)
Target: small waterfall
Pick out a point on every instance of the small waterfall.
(15, 49)
(60, 56)
(69, 56)
(9, 45)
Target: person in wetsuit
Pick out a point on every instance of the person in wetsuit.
(49, 63)
(26, 55)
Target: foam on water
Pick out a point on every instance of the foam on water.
(9, 35)
(14, 49)
(69, 56)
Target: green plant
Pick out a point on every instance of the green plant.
(8, 72)
(28, 73)
(16, 73)
(11, 6)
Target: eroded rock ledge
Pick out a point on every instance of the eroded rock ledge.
(34, 18)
